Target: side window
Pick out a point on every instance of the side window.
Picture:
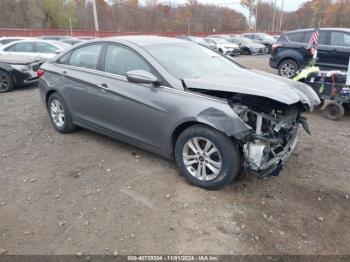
(86, 57)
(340, 39)
(283, 39)
(297, 37)
(21, 47)
(120, 60)
(45, 48)
(324, 38)
(64, 59)
(258, 37)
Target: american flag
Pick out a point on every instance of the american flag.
(313, 42)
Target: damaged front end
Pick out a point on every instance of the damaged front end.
(275, 131)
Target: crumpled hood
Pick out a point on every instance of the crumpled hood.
(258, 83)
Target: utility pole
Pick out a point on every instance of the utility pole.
(281, 16)
(70, 26)
(95, 15)
(188, 26)
(274, 16)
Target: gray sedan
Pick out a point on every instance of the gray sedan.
(180, 100)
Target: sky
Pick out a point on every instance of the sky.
(289, 5)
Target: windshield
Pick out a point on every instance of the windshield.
(219, 40)
(242, 40)
(266, 37)
(190, 60)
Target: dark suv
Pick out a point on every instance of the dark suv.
(289, 54)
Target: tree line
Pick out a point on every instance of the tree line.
(323, 13)
(155, 16)
(120, 15)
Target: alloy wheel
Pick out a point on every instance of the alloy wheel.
(4, 83)
(202, 159)
(57, 113)
(288, 70)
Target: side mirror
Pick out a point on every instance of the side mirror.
(58, 51)
(141, 77)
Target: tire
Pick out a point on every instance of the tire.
(320, 106)
(334, 111)
(221, 51)
(222, 150)
(288, 68)
(246, 51)
(59, 114)
(6, 82)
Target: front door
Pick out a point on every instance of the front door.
(132, 110)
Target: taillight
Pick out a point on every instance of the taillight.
(274, 46)
(40, 73)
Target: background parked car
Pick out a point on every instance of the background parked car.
(289, 54)
(55, 37)
(248, 46)
(7, 40)
(45, 49)
(198, 40)
(17, 71)
(261, 38)
(224, 46)
(72, 41)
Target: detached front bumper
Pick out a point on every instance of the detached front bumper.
(256, 156)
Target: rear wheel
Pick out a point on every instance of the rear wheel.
(6, 82)
(288, 68)
(59, 114)
(334, 111)
(207, 158)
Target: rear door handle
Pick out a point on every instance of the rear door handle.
(104, 86)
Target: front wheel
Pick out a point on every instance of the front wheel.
(6, 82)
(206, 157)
(288, 68)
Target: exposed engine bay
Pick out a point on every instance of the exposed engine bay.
(275, 131)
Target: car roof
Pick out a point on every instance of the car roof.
(36, 40)
(143, 40)
(323, 29)
(17, 59)
(15, 37)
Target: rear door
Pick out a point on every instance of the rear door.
(78, 83)
(325, 53)
(340, 42)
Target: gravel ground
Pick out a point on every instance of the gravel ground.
(83, 192)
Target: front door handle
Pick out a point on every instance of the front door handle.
(104, 86)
